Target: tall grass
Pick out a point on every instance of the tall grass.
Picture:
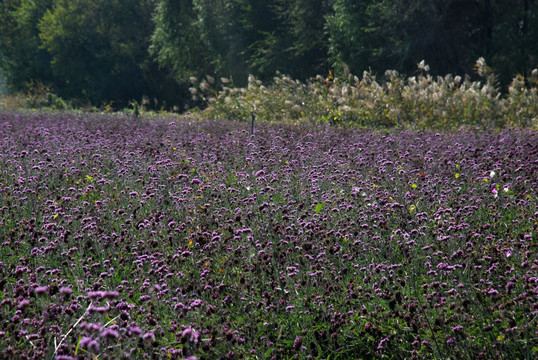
(421, 101)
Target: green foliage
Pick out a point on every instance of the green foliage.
(98, 48)
(40, 96)
(305, 39)
(319, 207)
(422, 101)
(2, 85)
(513, 34)
(224, 36)
(234, 38)
(448, 34)
(111, 51)
(21, 58)
(349, 42)
(92, 51)
(175, 42)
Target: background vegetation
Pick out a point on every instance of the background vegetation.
(109, 52)
(395, 101)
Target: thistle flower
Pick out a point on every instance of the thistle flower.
(40, 290)
(190, 335)
(457, 328)
(65, 290)
(195, 303)
(149, 338)
(297, 343)
(23, 303)
(109, 334)
(135, 330)
(94, 347)
(85, 341)
(111, 294)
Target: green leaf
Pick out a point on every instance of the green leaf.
(320, 207)
(78, 345)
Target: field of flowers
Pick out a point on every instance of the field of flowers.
(179, 238)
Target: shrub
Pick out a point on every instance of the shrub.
(421, 101)
(39, 95)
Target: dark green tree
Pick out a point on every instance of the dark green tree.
(397, 34)
(350, 43)
(511, 34)
(304, 37)
(177, 41)
(224, 38)
(239, 37)
(99, 48)
(22, 59)
(450, 35)
(264, 28)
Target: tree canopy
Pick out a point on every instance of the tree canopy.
(104, 51)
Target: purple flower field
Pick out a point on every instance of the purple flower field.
(176, 238)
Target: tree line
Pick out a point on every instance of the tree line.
(115, 51)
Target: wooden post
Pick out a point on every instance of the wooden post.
(252, 123)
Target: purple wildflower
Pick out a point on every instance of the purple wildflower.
(40, 290)
(383, 341)
(190, 335)
(94, 347)
(135, 330)
(66, 291)
(85, 341)
(149, 337)
(23, 303)
(109, 334)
